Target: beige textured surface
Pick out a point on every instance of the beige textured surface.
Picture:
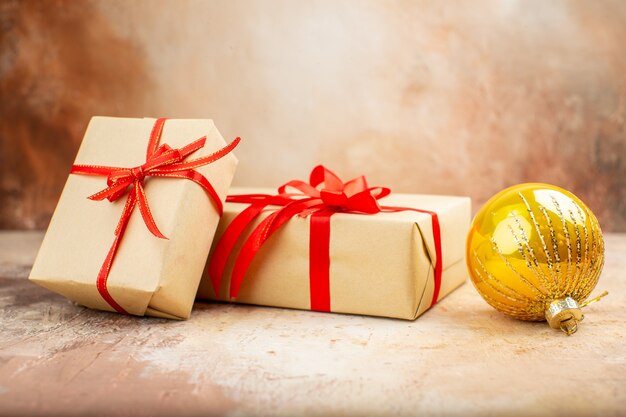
(460, 358)
(459, 97)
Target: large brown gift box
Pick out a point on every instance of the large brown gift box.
(380, 265)
(148, 275)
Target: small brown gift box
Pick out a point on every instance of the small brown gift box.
(380, 264)
(147, 275)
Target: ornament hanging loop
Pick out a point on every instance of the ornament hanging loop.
(570, 326)
(565, 313)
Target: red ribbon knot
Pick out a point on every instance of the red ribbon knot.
(137, 173)
(324, 195)
(161, 161)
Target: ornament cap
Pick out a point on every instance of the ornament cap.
(564, 314)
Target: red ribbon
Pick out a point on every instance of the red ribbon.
(161, 161)
(323, 196)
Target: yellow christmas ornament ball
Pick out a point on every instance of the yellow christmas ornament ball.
(535, 252)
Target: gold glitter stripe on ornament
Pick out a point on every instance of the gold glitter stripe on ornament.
(522, 278)
(554, 241)
(565, 228)
(526, 252)
(546, 253)
(523, 299)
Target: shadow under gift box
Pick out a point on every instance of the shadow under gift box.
(149, 276)
(380, 265)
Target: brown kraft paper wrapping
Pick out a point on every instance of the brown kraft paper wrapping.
(380, 265)
(149, 276)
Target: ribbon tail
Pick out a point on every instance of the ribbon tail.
(259, 236)
(319, 260)
(204, 160)
(155, 136)
(146, 214)
(225, 245)
(95, 170)
(250, 248)
(199, 179)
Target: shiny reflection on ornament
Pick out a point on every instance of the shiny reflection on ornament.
(502, 233)
(550, 201)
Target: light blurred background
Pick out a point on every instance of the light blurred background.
(447, 97)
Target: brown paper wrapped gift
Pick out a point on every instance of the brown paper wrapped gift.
(163, 194)
(380, 264)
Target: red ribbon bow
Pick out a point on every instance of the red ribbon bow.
(323, 196)
(161, 161)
